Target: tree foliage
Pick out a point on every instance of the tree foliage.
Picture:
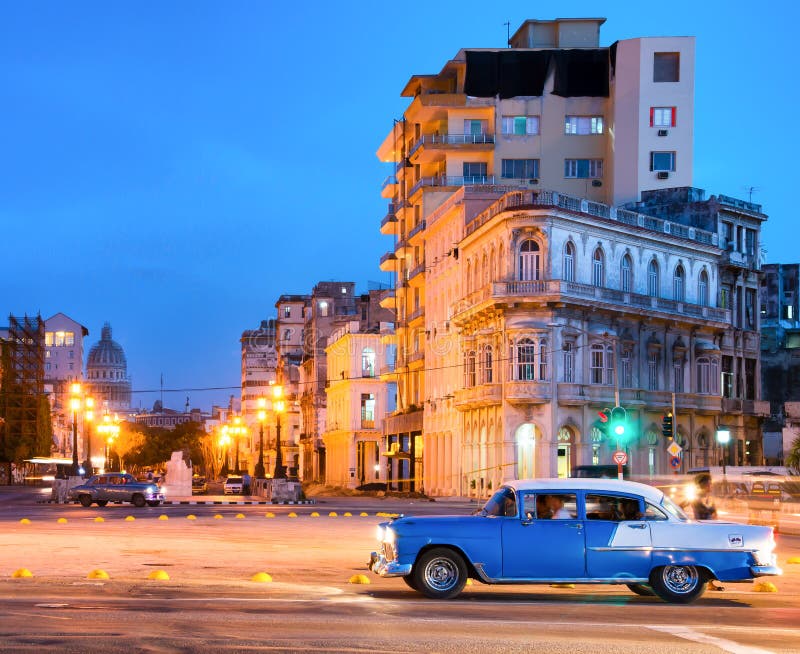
(793, 458)
(152, 447)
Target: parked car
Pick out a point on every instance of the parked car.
(116, 487)
(233, 486)
(574, 531)
(199, 485)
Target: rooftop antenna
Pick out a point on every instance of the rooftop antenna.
(508, 33)
(162, 391)
(750, 190)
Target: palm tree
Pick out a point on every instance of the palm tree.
(793, 459)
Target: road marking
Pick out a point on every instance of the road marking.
(38, 615)
(725, 645)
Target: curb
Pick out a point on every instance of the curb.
(209, 502)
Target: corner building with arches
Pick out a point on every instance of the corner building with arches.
(551, 259)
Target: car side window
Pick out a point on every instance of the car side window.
(100, 480)
(550, 506)
(502, 503)
(652, 512)
(615, 508)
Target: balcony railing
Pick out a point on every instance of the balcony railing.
(417, 313)
(389, 181)
(420, 226)
(451, 139)
(449, 180)
(416, 270)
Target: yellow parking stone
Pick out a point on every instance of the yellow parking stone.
(364, 514)
(129, 518)
(333, 514)
(99, 519)
(292, 515)
(269, 514)
(765, 587)
(240, 516)
(793, 559)
(347, 514)
(159, 575)
(359, 579)
(469, 582)
(315, 514)
(25, 521)
(217, 517)
(163, 516)
(98, 574)
(62, 521)
(191, 516)
(562, 585)
(261, 578)
(22, 572)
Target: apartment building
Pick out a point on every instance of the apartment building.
(552, 260)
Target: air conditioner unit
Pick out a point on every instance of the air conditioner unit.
(663, 174)
(533, 182)
(663, 132)
(596, 183)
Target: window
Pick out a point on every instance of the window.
(702, 289)
(569, 362)
(525, 356)
(666, 66)
(287, 312)
(69, 339)
(323, 308)
(520, 168)
(550, 506)
(598, 268)
(569, 262)
(367, 411)
(488, 365)
(612, 507)
(652, 279)
(626, 369)
(703, 373)
(583, 168)
(72, 354)
(678, 284)
(474, 172)
(750, 308)
(597, 364)
(367, 362)
(677, 375)
(663, 161)
(520, 125)
(652, 371)
(529, 260)
(663, 116)
(60, 336)
(583, 125)
(49, 339)
(543, 359)
(626, 274)
(474, 127)
(469, 369)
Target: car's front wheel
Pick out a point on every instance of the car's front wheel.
(679, 584)
(138, 501)
(642, 589)
(85, 500)
(153, 502)
(440, 573)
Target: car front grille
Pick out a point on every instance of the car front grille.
(388, 552)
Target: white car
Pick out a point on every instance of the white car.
(233, 486)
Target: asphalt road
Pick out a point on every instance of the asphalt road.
(210, 604)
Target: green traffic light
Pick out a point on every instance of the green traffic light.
(619, 430)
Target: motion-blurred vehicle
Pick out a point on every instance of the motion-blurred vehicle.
(233, 486)
(116, 487)
(199, 485)
(585, 531)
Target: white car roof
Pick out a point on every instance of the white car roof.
(574, 483)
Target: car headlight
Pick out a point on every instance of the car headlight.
(690, 492)
(153, 489)
(389, 536)
(380, 530)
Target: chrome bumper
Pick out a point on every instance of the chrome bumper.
(380, 566)
(765, 570)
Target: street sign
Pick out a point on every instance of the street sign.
(675, 462)
(620, 458)
(674, 449)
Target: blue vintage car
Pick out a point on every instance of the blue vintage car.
(589, 531)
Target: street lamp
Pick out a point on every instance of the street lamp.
(87, 434)
(278, 406)
(262, 416)
(723, 438)
(110, 430)
(75, 405)
(237, 429)
(224, 442)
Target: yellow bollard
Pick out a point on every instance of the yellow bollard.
(364, 514)
(269, 514)
(765, 587)
(333, 514)
(163, 516)
(261, 578)
(217, 517)
(347, 514)
(315, 514)
(129, 518)
(159, 575)
(98, 574)
(240, 516)
(62, 521)
(25, 521)
(292, 515)
(191, 516)
(22, 572)
(359, 579)
(99, 519)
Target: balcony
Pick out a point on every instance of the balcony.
(417, 229)
(478, 396)
(746, 407)
(389, 299)
(388, 262)
(539, 293)
(415, 357)
(449, 181)
(415, 315)
(740, 260)
(389, 222)
(432, 147)
(415, 275)
(528, 392)
(389, 187)
(401, 248)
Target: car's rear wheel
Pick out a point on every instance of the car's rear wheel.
(153, 502)
(440, 573)
(138, 501)
(679, 584)
(102, 502)
(85, 500)
(642, 589)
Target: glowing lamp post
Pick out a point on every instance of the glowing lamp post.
(723, 438)
(110, 430)
(75, 405)
(224, 442)
(262, 416)
(238, 430)
(278, 406)
(87, 429)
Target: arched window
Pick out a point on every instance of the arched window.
(702, 289)
(488, 365)
(601, 364)
(485, 270)
(652, 279)
(569, 262)
(703, 375)
(469, 376)
(367, 362)
(678, 285)
(598, 268)
(543, 359)
(529, 261)
(626, 274)
(525, 357)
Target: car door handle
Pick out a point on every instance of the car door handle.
(575, 525)
(637, 526)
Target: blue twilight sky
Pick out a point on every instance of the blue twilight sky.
(173, 167)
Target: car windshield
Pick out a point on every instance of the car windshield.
(673, 509)
(234, 480)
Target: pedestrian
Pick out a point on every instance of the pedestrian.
(246, 484)
(704, 509)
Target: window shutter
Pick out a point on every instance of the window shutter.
(674, 116)
(652, 117)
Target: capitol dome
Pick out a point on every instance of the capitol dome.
(107, 372)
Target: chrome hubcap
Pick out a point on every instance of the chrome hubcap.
(681, 579)
(441, 574)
